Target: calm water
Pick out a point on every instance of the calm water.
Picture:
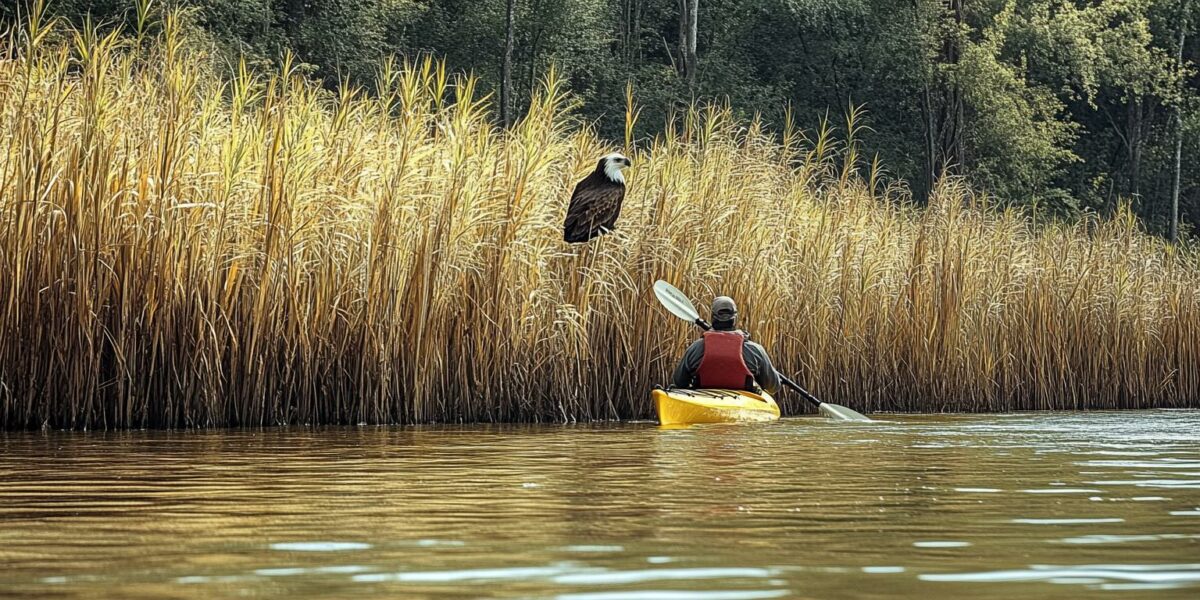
(1037, 505)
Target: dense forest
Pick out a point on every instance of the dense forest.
(1063, 106)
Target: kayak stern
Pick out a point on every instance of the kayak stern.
(681, 406)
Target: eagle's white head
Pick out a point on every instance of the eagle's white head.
(612, 164)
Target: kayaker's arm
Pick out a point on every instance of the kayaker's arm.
(685, 372)
(764, 372)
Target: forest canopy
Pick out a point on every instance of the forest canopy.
(1060, 106)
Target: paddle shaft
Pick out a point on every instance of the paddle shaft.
(799, 390)
(702, 324)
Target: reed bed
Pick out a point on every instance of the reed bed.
(186, 248)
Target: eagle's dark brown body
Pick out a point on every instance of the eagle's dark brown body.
(596, 203)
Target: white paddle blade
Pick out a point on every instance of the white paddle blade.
(675, 301)
(841, 413)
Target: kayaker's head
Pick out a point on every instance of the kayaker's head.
(724, 313)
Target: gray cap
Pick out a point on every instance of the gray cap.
(723, 309)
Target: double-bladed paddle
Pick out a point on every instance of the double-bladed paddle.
(679, 305)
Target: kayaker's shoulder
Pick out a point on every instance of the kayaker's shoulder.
(755, 349)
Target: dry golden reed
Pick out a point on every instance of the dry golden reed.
(180, 248)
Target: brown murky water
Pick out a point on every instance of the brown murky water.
(1033, 505)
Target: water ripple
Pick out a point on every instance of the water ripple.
(1162, 575)
(801, 508)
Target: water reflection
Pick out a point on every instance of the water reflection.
(1051, 506)
(1162, 576)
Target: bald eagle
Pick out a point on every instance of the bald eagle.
(596, 202)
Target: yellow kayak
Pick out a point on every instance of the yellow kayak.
(680, 406)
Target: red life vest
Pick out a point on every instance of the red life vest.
(722, 365)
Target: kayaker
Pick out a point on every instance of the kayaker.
(725, 358)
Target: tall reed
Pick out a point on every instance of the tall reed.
(181, 248)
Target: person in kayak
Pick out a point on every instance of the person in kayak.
(725, 358)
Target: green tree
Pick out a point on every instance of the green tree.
(1059, 104)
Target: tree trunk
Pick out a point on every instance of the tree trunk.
(688, 20)
(1178, 167)
(943, 109)
(506, 68)
(1133, 126)
(692, 62)
(637, 32)
(953, 152)
(683, 23)
(629, 31)
(931, 153)
(1178, 128)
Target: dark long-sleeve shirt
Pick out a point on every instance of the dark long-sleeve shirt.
(756, 360)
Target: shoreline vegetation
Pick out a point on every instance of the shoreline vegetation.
(185, 249)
